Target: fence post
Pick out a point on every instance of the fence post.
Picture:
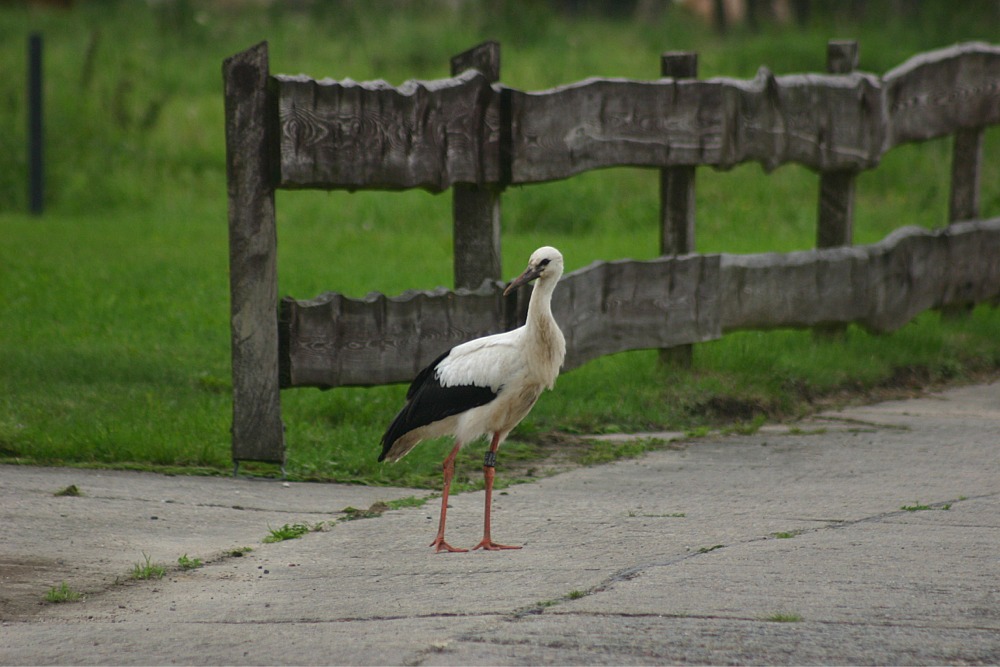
(677, 200)
(963, 202)
(835, 226)
(258, 433)
(836, 188)
(476, 209)
(967, 155)
(36, 169)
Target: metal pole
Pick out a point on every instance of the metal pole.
(36, 172)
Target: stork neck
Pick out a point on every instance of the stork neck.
(540, 305)
(545, 343)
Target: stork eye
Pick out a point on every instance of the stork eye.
(542, 264)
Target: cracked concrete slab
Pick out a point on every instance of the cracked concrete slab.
(787, 547)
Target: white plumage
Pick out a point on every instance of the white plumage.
(485, 386)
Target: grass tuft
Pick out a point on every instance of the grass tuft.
(602, 451)
(705, 550)
(148, 570)
(62, 593)
(784, 617)
(919, 507)
(186, 563)
(786, 534)
(286, 532)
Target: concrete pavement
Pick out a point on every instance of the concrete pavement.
(790, 546)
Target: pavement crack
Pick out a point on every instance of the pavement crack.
(863, 423)
(233, 506)
(759, 619)
(634, 571)
(245, 508)
(377, 618)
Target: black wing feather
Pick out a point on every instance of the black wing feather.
(427, 401)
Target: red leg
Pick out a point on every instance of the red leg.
(487, 543)
(449, 470)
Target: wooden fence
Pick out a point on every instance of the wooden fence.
(476, 136)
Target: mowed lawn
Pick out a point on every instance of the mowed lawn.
(114, 338)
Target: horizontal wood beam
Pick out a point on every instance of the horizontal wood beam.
(611, 307)
(938, 93)
(423, 134)
(880, 286)
(606, 308)
(434, 134)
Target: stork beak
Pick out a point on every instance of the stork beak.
(529, 274)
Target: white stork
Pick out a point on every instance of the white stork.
(484, 387)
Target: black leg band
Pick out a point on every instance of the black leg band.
(490, 460)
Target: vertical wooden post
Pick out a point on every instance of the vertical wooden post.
(36, 169)
(258, 433)
(835, 225)
(963, 203)
(677, 200)
(967, 155)
(836, 188)
(476, 209)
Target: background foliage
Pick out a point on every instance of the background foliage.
(114, 304)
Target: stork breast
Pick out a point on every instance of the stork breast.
(515, 405)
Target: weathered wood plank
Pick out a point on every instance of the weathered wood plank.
(966, 158)
(880, 286)
(423, 134)
(835, 217)
(835, 224)
(258, 433)
(937, 93)
(677, 200)
(611, 307)
(476, 208)
(836, 122)
(825, 122)
(336, 340)
(434, 134)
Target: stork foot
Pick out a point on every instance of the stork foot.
(489, 545)
(440, 545)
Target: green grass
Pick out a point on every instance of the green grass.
(784, 617)
(920, 507)
(291, 531)
(62, 593)
(786, 534)
(147, 570)
(186, 563)
(714, 547)
(376, 510)
(114, 305)
(603, 452)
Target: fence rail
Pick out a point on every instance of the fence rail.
(622, 305)
(434, 134)
(475, 136)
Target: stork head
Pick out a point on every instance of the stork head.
(546, 263)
